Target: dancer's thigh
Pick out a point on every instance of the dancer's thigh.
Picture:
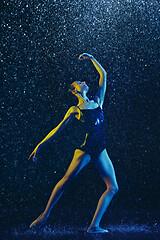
(80, 160)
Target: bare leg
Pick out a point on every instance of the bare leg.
(106, 170)
(80, 160)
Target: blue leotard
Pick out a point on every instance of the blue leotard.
(92, 121)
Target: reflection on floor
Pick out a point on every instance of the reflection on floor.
(66, 224)
(119, 232)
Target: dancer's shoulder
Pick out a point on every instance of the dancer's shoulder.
(74, 109)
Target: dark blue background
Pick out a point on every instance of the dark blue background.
(41, 41)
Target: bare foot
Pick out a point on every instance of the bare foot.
(39, 221)
(96, 230)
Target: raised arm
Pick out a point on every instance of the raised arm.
(102, 80)
(71, 113)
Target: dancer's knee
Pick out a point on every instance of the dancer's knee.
(113, 189)
(66, 180)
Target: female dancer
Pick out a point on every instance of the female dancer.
(90, 115)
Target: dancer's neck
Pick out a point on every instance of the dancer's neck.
(82, 98)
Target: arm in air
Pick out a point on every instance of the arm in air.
(102, 80)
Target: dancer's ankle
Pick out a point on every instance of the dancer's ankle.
(93, 226)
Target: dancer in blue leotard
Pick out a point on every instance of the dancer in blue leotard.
(90, 114)
(92, 121)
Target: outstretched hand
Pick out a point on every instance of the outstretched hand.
(84, 56)
(34, 154)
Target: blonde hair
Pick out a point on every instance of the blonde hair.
(72, 87)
